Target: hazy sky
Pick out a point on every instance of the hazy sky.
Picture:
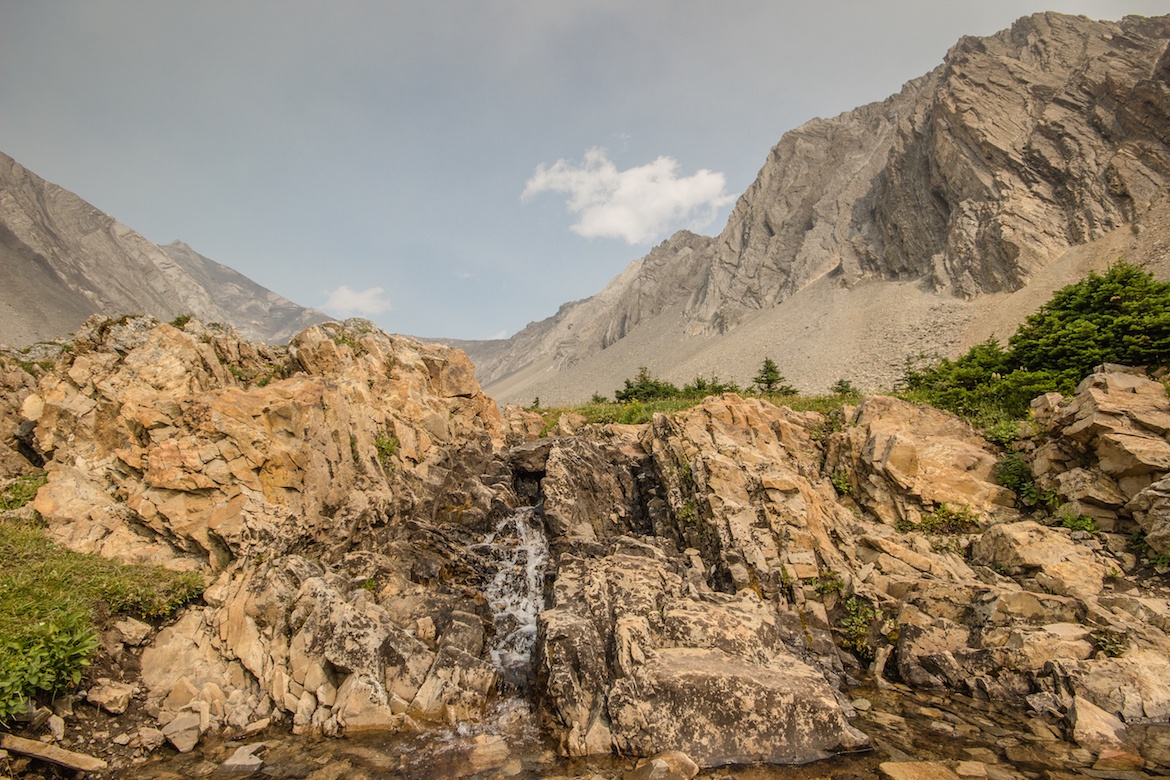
(445, 168)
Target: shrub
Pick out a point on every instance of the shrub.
(645, 388)
(46, 598)
(1015, 473)
(1122, 316)
(945, 519)
(701, 388)
(1079, 523)
(770, 380)
(857, 627)
(387, 448)
(843, 387)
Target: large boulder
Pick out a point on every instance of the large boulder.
(902, 459)
(705, 673)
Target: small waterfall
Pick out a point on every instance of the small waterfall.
(516, 592)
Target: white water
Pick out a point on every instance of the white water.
(516, 592)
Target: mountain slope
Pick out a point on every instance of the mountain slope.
(63, 260)
(905, 226)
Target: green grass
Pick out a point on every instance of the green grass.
(47, 600)
(637, 412)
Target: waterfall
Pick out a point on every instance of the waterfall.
(516, 592)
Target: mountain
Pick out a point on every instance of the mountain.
(918, 225)
(63, 260)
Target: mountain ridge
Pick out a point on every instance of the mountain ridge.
(960, 189)
(64, 260)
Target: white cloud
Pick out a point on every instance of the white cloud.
(347, 302)
(640, 204)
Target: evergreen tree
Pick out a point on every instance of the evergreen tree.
(770, 380)
(1121, 316)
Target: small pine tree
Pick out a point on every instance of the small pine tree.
(770, 380)
(844, 387)
(769, 376)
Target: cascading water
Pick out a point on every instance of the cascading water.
(516, 593)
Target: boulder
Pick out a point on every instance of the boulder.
(1094, 728)
(706, 674)
(113, 697)
(1060, 564)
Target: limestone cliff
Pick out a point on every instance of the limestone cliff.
(63, 260)
(969, 183)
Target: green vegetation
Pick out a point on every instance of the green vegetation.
(21, 491)
(770, 380)
(181, 321)
(1141, 547)
(1122, 316)
(1110, 643)
(1015, 473)
(47, 595)
(644, 388)
(841, 483)
(843, 387)
(945, 519)
(387, 448)
(857, 627)
(829, 582)
(1079, 523)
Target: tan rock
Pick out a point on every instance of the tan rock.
(113, 697)
(915, 770)
(1094, 728)
(1067, 568)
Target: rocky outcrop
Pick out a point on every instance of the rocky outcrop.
(779, 550)
(64, 260)
(194, 449)
(971, 180)
(718, 580)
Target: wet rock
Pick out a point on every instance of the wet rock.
(668, 765)
(69, 759)
(246, 759)
(723, 712)
(710, 676)
(184, 731)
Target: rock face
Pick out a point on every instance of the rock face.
(971, 180)
(718, 579)
(197, 450)
(63, 260)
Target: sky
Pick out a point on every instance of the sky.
(447, 168)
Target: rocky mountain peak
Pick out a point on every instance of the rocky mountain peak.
(974, 181)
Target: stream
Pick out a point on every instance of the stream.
(904, 725)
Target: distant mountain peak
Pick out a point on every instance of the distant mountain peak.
(63, 260)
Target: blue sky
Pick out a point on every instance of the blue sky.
(448, 169)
